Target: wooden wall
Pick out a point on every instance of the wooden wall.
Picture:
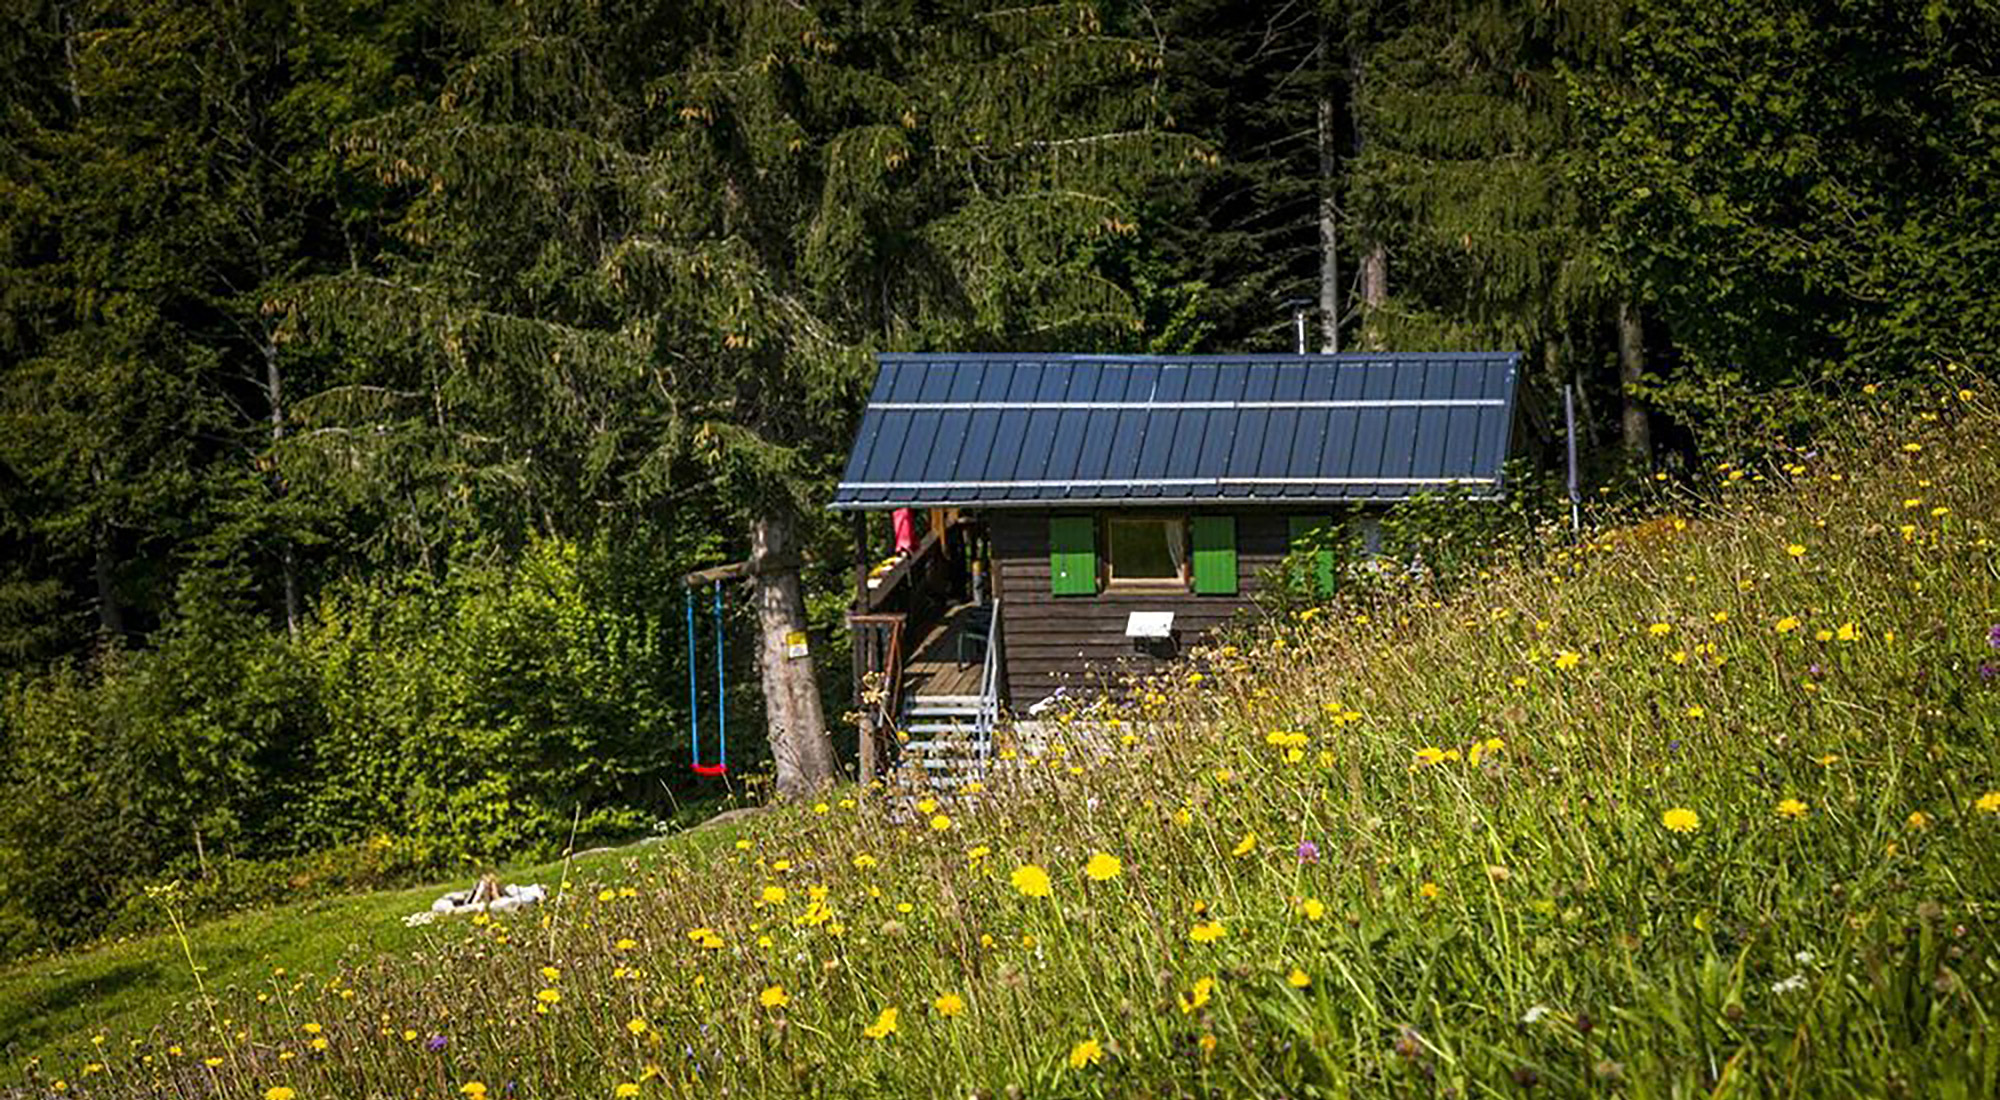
(1049, 640)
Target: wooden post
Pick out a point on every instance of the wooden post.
(865, 748)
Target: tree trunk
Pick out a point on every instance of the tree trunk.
(288, 559)
(796, 726)
(1631, 371)
(1329, 203)
(1374, 256)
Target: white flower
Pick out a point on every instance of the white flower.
(1534, 1015)
(415, 919)
(1792, 984)
(1803, 958)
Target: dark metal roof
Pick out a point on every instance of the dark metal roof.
(994, 431)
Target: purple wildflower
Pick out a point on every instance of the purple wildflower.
(1993, 636)
(1988, 672)
(436, 1043)
(1815, 670)
(1308, 852)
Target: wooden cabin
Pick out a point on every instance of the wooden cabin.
(1091, 514)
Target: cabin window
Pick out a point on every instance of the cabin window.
(1146, 552)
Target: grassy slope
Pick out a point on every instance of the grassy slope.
(1520, 920)
(130, 986)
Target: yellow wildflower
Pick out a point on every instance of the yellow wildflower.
(1568, 658)
(1207, 931)
(1103, 866)
(279, 1092)
(883, 1027)
(1681, 820)
(1197, 996)
(1791, 808)
(1031, 881)
(625, 1090)
(1086, 1053)
(774, 997)
(1989, 802)
(1245, 846)
(1298, 979)
(949, 1005)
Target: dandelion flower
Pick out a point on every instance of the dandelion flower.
(279, 1092)
(1791, 808)
(1787, 624)
(949, 1005)
(774, 895)
(883, 1027)
(941, 822)
(1031, 881)
(863, 861)
(549, 996)
(1660, 630)
(1568, 658)
(1207, 931)
(1245, 846)
(637, 1026)
(1312, 909)
(625, 1090)
(1681, 820)
(1696, 711)
(1430, 891)
(774, 997)
(1103, 866)
(1918, 820)
(1298, 979)
(1796, 550)
(1089, 1052)
(1989, 802)
(211, 1062)
(1196, 996)
(474, 1089)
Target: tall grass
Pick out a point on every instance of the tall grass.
(1417, 848)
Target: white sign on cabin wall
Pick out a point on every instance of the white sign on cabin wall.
(1149, 624)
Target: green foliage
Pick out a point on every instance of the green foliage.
(501, 710)
(473, 717)
(1805, 195)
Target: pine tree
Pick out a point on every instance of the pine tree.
(652, 253)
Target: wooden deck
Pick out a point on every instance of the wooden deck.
(933, 667)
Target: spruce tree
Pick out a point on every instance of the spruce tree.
(652, 248)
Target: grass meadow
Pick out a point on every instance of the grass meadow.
(1707, 806)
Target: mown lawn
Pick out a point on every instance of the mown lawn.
(129, 987)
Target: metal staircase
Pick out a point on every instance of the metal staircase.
(947, 740)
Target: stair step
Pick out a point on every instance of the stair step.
(915, 701)
(937, 748)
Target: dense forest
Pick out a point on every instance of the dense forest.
(372, 371)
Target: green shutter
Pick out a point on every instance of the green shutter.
(1321, 526)
(1215, 555)
(1072, 556)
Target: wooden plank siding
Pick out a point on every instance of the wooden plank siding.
(1051, 640)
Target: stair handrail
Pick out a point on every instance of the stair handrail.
(989, 686)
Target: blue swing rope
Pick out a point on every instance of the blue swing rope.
(721, 697)
(721, 765)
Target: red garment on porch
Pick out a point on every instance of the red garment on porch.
(905, 520)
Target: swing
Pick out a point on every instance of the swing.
(721, 766)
